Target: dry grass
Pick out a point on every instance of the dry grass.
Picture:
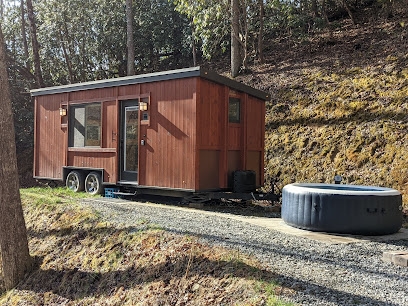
(83, 261)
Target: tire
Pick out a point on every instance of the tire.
(93, 183)
(75, 181)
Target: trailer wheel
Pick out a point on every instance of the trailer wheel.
(93, 183)
(75, 181)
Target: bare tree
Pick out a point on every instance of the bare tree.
(261, 29)
(130, 41)
(67, 58)
(324, 12)
(193, 43)
(1, 8)
(350, 13)
(35, 45)
(244, 34)
(15, 259)
(235, 44)
(389, 6)
(314, 8)
(24, 36)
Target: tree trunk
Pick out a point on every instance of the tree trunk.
(24, 36)
(15, 259)
(67, 59)
(314, 8)
(35, 46)
(260, 34)
(244, 42)
(350, 13)
(324, 12)
(1, 9)
(69, 45)
(193, 43)
(389, 8)
(84, 56)
(235, 52)
(130, 41)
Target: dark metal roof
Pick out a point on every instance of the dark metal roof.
(154, 77)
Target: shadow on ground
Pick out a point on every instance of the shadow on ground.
(235, 207)
(177, 274)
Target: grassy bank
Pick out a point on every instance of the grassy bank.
(339, 105)
(82, 260)
(352, 122)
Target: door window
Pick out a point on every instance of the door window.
(131, 139)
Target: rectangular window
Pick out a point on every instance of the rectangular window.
(234, 110)
(85, 125)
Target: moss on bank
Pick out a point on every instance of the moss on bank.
(352, 121)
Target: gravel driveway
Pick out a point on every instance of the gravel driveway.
(321, 273)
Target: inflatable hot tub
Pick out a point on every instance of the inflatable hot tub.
(347, 209)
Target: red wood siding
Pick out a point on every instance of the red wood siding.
(256, 137)
(256, 122)
(168, 158)
(49, 137)
(129, 90)
(210, 120)
(234, 136)
(239, 145)
(110, 120)
(95, 94)
(102, 160)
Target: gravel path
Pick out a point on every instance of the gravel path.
(321, 273)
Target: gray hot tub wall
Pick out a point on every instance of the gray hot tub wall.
(351, 214)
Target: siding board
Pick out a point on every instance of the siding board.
(93, 94)
(169, 160)
(50, 145)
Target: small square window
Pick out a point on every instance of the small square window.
(234, 110)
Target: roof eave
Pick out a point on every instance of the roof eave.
(212, 76)
(153, 77)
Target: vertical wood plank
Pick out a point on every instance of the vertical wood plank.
(103, 125)
(197, 139)
(224, 139)
(118, 114)
(244, 118)
(66, 138)
(35, 165)
(263, 113)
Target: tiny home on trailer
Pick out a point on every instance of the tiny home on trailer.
(180, 130)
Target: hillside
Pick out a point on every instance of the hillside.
(339, 105)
